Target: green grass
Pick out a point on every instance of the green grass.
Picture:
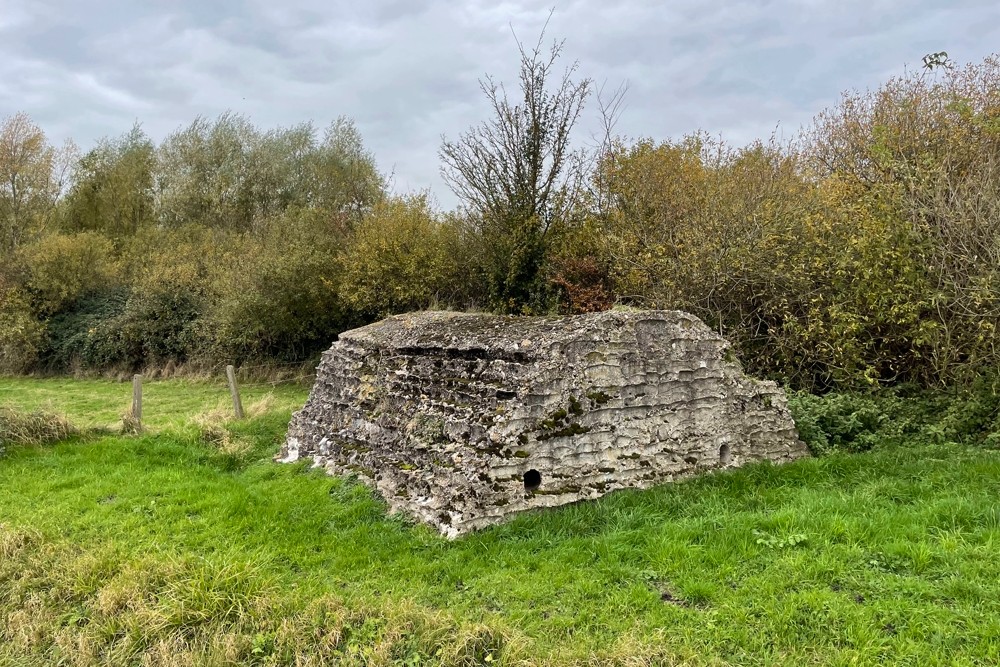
(165, 403)
(162, 549)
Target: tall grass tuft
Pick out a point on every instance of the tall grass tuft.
(32, 428)
(131, 425)
(215, 426)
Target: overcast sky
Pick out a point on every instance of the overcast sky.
(406, 70)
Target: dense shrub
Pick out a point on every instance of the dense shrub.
(161, 324)
(21, 334)
(868, 253)
(925, 147)
(170, 271)
(276, 297)
(89, 335)
(150, 318)
(402, 257)
(852, 421)
(841, 422)
(63, 267)
(579, 273)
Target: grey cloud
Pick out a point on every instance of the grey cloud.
(408, 71)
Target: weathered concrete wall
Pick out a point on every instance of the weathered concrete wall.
(461, 420)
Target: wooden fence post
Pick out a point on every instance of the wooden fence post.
(137, 399)
(234, 390)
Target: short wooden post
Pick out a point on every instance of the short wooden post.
(234, 390)
(137, 399)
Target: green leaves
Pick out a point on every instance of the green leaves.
(770, 541)
(403, 256)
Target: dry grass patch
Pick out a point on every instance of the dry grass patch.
(36, 427)
(61, 603)
(131, 425)
(214, 425)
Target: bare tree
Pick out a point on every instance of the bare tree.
(517, 173)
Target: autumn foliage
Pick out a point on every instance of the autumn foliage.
(864, 252)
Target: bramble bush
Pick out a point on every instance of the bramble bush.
(859, 421)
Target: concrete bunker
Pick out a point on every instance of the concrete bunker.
(461, 420)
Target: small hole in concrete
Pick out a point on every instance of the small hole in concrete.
(532, 480)
(724, 455)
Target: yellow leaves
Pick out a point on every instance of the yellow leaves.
(63, 267)
(402, 257)
(823, 278)
(29, 179)
(20, 332)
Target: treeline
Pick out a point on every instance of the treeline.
(864, 252)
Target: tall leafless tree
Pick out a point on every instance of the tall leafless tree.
(517, 173)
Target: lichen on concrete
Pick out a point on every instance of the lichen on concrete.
(461, 420)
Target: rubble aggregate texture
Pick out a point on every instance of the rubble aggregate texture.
(461, 420)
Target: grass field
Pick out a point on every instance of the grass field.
(166, 403)
(179, 547)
